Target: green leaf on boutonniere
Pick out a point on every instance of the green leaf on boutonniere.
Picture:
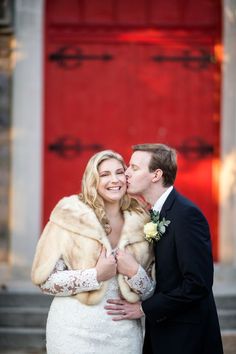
(155, 228)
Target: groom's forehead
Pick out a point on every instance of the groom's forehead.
(140, 158)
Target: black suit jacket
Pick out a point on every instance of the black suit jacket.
(181, 316)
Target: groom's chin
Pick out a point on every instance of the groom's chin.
(129, 191)
(133, 194)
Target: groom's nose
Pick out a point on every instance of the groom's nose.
(127, 172)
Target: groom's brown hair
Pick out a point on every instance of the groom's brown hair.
(163, 158)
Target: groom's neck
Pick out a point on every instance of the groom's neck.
(153, 195)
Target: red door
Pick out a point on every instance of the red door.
(110, 89)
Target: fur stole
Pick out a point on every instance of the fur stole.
(75, 234)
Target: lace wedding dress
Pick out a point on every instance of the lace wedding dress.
(75, 328)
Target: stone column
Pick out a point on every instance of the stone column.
(227, 245)
(26, 193)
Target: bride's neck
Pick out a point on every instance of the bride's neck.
(112, 210)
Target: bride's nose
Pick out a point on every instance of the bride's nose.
(114, 178)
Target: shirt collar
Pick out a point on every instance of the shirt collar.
(159, 203)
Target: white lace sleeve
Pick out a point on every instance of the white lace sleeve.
(141, 283)
(64, 282)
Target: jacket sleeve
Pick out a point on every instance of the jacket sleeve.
(141, 283)
(48, 251)
(194, 264)
(64, 282)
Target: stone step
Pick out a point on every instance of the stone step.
(225, 302)
(229, 341)
(227, 319)
(36, 317)
(22, 351)
(38, 299)
(23, 317)
(17, 299)
(22, 338)
(35, 339)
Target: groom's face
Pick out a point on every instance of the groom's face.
(139, 178)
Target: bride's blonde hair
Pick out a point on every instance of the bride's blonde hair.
(90, 183)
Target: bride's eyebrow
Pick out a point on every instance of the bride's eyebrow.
(104, 171)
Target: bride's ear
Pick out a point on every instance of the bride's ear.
(157, 175)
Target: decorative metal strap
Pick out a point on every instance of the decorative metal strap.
(195, 148)
(202, 60)
(71, 57)
(70, 147)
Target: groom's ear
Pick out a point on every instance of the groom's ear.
(157, 175)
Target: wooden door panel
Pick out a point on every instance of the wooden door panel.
(140, 92)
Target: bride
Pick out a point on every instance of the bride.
(93, 249)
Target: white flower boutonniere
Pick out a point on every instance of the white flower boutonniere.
(155, 228)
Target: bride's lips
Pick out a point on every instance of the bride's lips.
(116, 188)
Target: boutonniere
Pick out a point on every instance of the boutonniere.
(156, 227)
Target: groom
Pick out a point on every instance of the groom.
(181, 316)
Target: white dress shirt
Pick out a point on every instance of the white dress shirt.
(159, 203)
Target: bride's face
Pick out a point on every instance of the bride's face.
(112, 180)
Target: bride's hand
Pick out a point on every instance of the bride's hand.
(106, 266)
(126, 263)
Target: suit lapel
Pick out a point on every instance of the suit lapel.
(168, 203)
(164, 214)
